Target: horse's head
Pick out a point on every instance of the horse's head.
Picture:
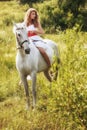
(21, 37)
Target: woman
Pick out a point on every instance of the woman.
(33, 24)
(34, 29)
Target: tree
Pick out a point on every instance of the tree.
(30, 2)
(72, 5)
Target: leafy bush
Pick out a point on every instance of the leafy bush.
(61, 14)
(30, 2)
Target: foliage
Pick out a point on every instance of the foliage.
(61, 14)
(14, 16)
(61, 105)
(30, 2)
(72, 5)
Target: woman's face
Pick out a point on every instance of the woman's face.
(33, 15)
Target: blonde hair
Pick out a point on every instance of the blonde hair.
(28, 20)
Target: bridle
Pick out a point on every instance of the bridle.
(20, 43)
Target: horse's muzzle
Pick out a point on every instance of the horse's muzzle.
(27, 51)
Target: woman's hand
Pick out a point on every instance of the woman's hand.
(38, 30)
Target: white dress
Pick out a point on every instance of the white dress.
(36, 39)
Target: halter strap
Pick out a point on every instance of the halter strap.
(23, 42)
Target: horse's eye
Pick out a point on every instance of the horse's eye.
(19, 35)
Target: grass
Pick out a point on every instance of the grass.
(61, 105)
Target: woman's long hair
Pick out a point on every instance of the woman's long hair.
(28, 20)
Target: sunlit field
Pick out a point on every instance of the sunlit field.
(61, 105)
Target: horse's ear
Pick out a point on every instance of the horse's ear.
(14, 27)
(15, 24)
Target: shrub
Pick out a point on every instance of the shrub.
(60, 15)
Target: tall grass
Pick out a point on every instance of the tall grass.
(61, 105)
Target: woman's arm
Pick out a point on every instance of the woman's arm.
(38, 30)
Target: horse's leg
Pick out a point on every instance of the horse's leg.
(47, 75)
(25, 83)
(33, 76)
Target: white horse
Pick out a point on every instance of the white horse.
(29, 60)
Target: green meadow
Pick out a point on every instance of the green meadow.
(61, 105)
